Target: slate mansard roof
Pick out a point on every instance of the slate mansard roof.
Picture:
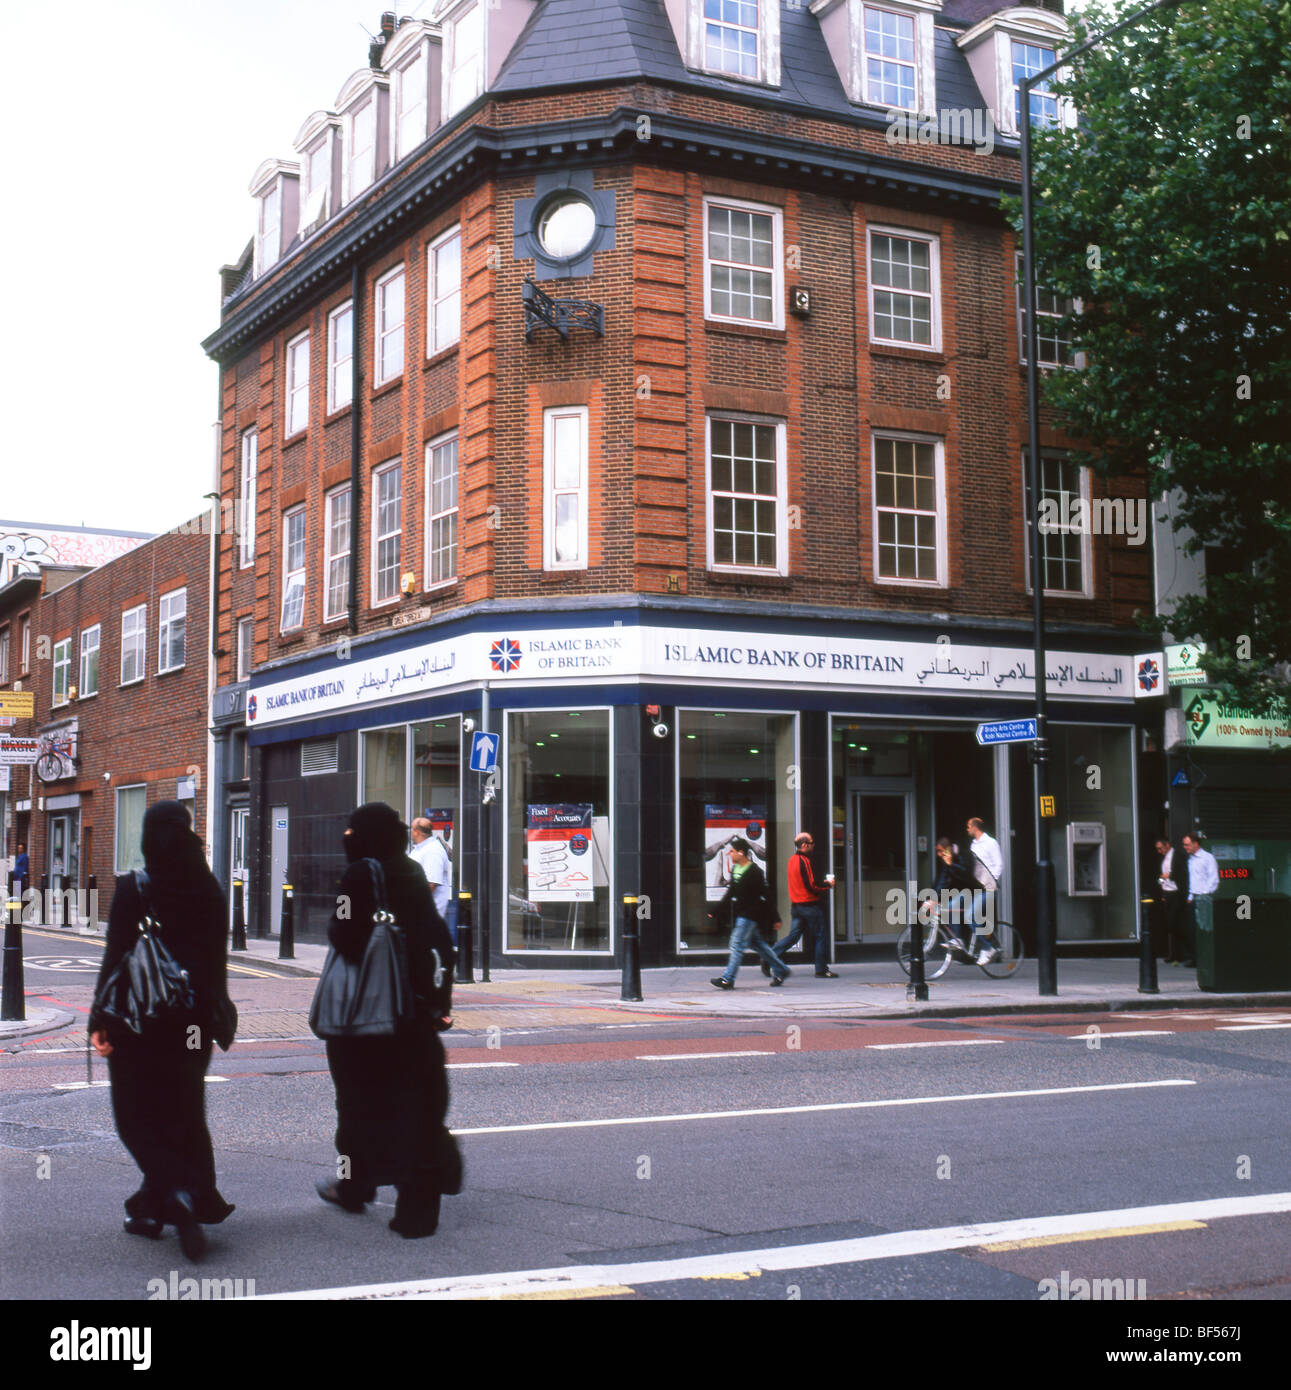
(574, 43)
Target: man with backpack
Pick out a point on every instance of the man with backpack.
(749, 901)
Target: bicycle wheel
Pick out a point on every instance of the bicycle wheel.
(1008, 944)
(48, 767)
(936, 952)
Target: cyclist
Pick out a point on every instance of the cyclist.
(952, 879)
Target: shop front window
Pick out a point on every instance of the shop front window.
(558, 831)
(733, 779)
(416, 768)
(385, 767)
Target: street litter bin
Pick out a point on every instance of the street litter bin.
(1245, 953)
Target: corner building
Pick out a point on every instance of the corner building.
(608, 377)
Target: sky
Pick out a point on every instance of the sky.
(163, 111)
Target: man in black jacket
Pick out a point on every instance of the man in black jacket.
(749, 903)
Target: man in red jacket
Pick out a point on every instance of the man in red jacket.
(807, 897)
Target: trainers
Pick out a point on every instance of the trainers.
(722, 983)
(985, 957)
(779, 980)
(826, 975)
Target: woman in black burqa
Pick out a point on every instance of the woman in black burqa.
(392, 1093)
(158, 1077)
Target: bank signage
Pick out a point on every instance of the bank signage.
(694, 656)
(1213, 724)
(1183, 664)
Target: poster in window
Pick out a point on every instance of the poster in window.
(558, 839)
(441, 822)
(721, 825)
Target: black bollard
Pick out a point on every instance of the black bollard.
(465, 943)
(287, 932)
(91, 895)
(1147, 957)
(13, 1007)
(631, 987)
(239, 918)
(44, 900)
(917, 990)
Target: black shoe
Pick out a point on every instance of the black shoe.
(331, 1192)
(144, 1226)
(779, 980)
(766, 969)
(722, 983)
(826, 975)
(420, 1224)
(183, 1216)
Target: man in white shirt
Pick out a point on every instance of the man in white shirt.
(1203, 881)
(430, 852)
(988, 870)
(1172, 894)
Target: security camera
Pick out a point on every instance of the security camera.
(468, 726)
(661, 730)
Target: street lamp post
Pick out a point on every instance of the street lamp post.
(1045, 884)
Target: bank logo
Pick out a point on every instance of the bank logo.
(1198, 719)
(1149, 675)
(252, 707)
(505, 655)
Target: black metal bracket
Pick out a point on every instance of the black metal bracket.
(540, 310)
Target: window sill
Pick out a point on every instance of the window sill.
(907, 350)
(730, 329)
(341, 410)
(125, 685)
(761, 578)
(93, 695)
(438, 358)
(334, 622)
(172, 670)
(296, 437)
(386, 386)
(440, 589)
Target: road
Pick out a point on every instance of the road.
(1019, 1157)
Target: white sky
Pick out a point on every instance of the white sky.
(138, 126)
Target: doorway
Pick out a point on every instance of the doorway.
(880, 835)
(64, 864)
(277, 866)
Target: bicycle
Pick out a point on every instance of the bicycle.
(940, 948)
(57, 749)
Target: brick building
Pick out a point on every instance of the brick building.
(118, 661)
(641, 383)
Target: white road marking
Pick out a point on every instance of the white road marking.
(1122, 1033)
(818, 1109)
(952, 1042)
(571, 1280)
(1249, 1027)
(86, 1085)
(694, 1056)
(459, 1066)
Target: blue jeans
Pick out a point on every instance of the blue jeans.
(450, 919)
(746, 937)
(809, 919)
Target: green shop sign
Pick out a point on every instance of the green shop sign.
(1211, 724)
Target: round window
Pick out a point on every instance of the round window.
(566, 227)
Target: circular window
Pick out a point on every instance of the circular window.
(566, 227)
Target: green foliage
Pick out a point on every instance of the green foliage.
(1167, 212)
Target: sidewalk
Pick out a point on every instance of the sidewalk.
(872, 989)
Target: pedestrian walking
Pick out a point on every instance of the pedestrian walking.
(1203, 882)
(806, 911)
(392, 1092)
(988, 870)
(21, 871)
(158, 1076)
(432, 854)
(1172, 895)
(751, 906)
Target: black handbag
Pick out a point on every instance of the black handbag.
(148, 985)
(372, 997)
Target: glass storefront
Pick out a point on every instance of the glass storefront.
(558, 835)
(736, 776)
(416, 768)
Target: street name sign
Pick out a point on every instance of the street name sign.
(1007, 731)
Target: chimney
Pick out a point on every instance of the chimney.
(387, 23)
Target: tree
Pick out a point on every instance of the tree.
(1166, 211)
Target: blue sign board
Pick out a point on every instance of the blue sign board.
(1007, 731)
(484, 752)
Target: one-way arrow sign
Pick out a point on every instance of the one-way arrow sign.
(1007, 731)
(484, 752)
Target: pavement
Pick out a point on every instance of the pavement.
(868, 989)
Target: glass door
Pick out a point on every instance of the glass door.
(880, 834)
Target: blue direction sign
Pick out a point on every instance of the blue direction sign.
(1007, 731)
(484, 752)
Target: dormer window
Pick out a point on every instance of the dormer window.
(464, 57)
(365, 113)
(410, 93)
(1028, 59)
(883, 52)
(269, 237)
(739, 39)
(1006, 48)
(316, 144)
(362, 147)
(276, 189)
(889, 59)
